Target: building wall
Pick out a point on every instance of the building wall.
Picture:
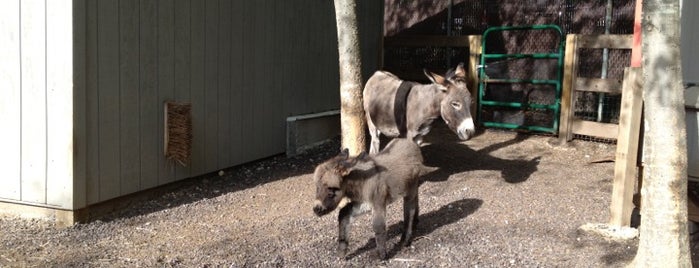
(243, 65)
(36, 154)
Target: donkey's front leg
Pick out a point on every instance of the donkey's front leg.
(344, 218)
(379, 225)
(410, 215)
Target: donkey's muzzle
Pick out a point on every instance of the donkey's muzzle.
(320, 210)
(466, 129)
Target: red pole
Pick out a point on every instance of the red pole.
(636, 49)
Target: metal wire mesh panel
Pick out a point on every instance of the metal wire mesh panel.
(472, 17)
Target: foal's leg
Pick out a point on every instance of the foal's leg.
(410, 215)
(379, 226)
(374, 133)
(344, 218)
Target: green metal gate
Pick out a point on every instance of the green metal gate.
(505, 101)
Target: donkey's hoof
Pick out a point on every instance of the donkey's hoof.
(381, 254)
(342, 250)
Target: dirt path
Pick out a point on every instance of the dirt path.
(499, 200)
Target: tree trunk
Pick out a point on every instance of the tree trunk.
(352, 120)
(663, 233)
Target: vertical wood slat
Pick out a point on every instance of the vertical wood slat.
(149, 111)
(569, 74)
(236, 88)
(627, 148)
(129, 118)
(211, 84)
(59, 103)
(108, 99)
(10, 100)
(79, 190)
(166, 79)
(92, 104)
(197, 87)
(33, 101)
(182, 61)
(224, 84)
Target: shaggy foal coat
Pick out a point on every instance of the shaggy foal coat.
(372, 183)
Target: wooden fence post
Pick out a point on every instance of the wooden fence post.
(569, 73)
(474, 46)
(627, 147)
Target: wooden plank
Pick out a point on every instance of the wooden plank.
(608, 85)
(473, 62)
(10, 99)
(274, 124)
(211, 83)
(278, 120)
(238, 155)
(224, 83)
(182, 66)
(108, 96)
(59, 103)
(627, 148)
(594, 129)
(149, 105)
(129, 132)
(91, 105)
(615, 41)
(166, 80)
(197, 88)
(426, 41)
(79, 99)
(33, 101)
(567, 103)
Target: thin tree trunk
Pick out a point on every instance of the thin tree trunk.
(663, 232)
(352, 119)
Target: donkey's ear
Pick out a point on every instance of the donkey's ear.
(344, 153)
(362, 155)
(346, 166)
(437, 79)
(460, 72)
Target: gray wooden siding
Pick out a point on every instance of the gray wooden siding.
(244, 65)
(77, 136)
(36, 102)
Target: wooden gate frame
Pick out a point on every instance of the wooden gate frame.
(571, 83)
(627, 132)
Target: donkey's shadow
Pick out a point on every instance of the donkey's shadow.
(428, 223)
(452, 157)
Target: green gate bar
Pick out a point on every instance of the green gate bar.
(483, 80)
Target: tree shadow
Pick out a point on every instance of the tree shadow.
(451, 157)
(428, 223)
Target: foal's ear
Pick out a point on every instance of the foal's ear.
(437, 79)
(344, 153)
(362, 155)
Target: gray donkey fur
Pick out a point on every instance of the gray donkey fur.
(372, 182)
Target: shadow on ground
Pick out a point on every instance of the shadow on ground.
(428, 223)
(445, 151)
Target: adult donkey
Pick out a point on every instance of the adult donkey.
(397, 108)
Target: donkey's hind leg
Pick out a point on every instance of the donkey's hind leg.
(375, 137)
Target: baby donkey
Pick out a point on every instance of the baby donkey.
(371, 183)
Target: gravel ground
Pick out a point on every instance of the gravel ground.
(500, 199)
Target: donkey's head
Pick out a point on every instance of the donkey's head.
(455, 106)
(328, 178)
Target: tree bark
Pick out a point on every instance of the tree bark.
(352, 120)
(663, 233)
